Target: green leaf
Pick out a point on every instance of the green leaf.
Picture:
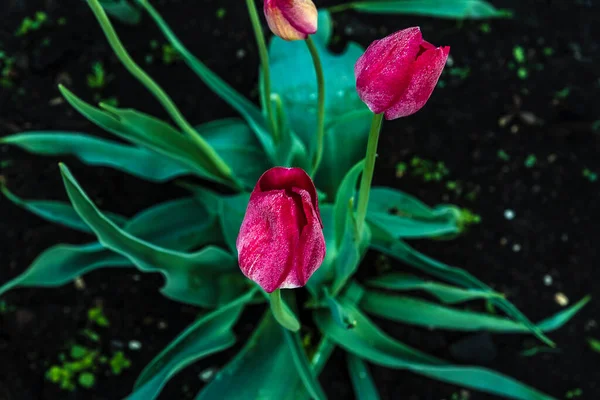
(311, 383)
(368, 342)
(298, 92)
(263, 368)
(62, 263)
(445, 293)
(236, 143)
(403, 216)
(282, 313)
(210, 334)
(231, 214)
(461, 9)
(180, 224)
(419, 312)
(364, 387)
(350, 248)
(345, 195)
(344, 144)
(249, 111)
(55, 211)
(140, 162)
(403, 252)
(194, 278)
(122, 10)
(146, 131)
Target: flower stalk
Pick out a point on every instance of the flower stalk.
(220, 166)
(314, 53)
(264, 62)
(367, 175)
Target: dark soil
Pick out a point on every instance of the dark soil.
(556, 209)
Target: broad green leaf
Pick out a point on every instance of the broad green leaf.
(403, 252)
(192, 278)
(352, 128)
(364, 387)
(236, 143)
(62, 263)
(137, 161)
(346, 117)
(55, 211)
(249, 111)
(298, 91)
(122, 10)
(181, 225)
(368, 342)
(308, 377)
(419, 312)
(209, 334)
(146, 131)
(350, 245)
(346, 196)
(263, 369)
(231, 214)
(445, 293)
(460, 9)
(403, 216)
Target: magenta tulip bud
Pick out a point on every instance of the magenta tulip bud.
(291, 19)
(397, 74)
(281, 241)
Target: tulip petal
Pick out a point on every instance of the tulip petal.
(311, 247)
(291, 19)
(383, 70)
(425, 73)
(286, 178)
(268, 237)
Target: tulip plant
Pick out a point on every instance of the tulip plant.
(288, 225)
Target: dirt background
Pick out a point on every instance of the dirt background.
(554, 202)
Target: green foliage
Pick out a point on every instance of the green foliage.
(32, 24)
(462, 9)
(191, 240)
(123, 10)
(96, 315)
(97, 79)
(119, 362)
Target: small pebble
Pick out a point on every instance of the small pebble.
(207, 374)
(136, 277)
(79, 283)
(162, 325)
(134, 345)
(241, 53)
(564, 237)
(503, 241)
(509, 214)
(516, 247)
(561, 299)
(547, 280)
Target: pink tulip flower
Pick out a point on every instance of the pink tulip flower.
(281, 241)
(291, 19)
(397, 74)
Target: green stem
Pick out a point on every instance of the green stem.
(321, 103)
(367, 175)
(221, 168)
(264, 62)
